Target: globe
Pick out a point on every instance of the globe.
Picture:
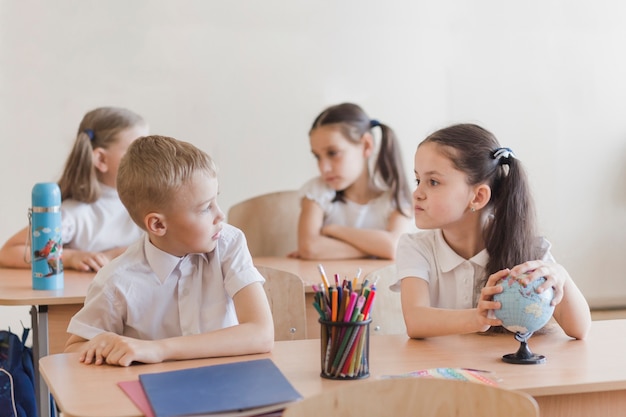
(523, 309)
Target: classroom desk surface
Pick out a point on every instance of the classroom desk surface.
(52, 309)
(579, 378)
(16, 288)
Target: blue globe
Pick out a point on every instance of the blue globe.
(523, 309)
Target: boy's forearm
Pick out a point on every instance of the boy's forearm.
(242, 339)
(74, 343)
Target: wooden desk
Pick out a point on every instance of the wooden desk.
(580, 378)
(52, 310)
(50, 314)
(307, 270)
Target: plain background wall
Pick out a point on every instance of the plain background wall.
(243, 80)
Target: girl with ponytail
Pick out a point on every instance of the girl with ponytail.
(95, 225)
(473, 202)
(360, 203)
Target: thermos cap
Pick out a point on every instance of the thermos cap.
(46, 194)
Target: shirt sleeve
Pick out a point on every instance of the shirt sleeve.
(317, 191)
(412, 259)
(545, 248)
(103, 312)
(68, 223)
(236, 262)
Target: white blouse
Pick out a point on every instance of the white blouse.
(373, 215)
(95, 227)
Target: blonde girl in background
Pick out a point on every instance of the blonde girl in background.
(95, 225)
(360, 203)
(472, 201)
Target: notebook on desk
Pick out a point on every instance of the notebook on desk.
(232, 389)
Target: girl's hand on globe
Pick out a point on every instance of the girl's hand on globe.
(555, 275)
(486, 305)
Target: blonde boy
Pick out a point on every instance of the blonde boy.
(188, 289)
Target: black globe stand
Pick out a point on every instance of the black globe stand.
(523, 356)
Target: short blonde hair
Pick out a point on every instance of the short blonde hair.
(153, 169)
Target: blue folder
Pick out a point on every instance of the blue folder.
(231, 389)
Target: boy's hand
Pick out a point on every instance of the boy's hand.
(114, 349)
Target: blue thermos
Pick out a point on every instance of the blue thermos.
(45, 233)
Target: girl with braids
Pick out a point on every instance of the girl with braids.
(360, 204)
(95, 225)
(473, 197)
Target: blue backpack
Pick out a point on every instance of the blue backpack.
(17, 376)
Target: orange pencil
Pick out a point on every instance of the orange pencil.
(333, 304)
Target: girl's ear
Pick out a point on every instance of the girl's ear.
(155, 223)
(368, 144)
(482, 195)
(100, 160)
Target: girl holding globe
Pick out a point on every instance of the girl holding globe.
(473, 205)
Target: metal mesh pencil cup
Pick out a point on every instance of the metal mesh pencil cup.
(344, 349)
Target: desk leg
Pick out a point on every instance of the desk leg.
(39, 318)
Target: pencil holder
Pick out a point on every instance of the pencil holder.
(344, 349)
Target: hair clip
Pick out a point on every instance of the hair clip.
(374, 123)
(503, 154)
(89, 133)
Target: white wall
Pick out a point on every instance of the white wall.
(244, 79)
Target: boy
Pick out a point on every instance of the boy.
(188, 289)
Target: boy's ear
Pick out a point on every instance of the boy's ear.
(155, 223)
(482, 195)
(100, 160)
(368, 144)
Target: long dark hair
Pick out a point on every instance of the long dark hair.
(353, 123)
(511, 235)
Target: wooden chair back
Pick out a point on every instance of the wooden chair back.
(285, 293)
(269, 221)
(387, 317)
(416, 397)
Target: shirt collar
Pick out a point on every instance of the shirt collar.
(164, 263)
(449, 259)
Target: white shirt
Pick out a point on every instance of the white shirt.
(95, 227)
(373, 215)
(451, 278)
(143, 293)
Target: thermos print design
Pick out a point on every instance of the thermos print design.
(46, 241)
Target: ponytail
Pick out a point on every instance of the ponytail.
(391, 169)
(98, 129)
(510, 237)
(79, 181)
